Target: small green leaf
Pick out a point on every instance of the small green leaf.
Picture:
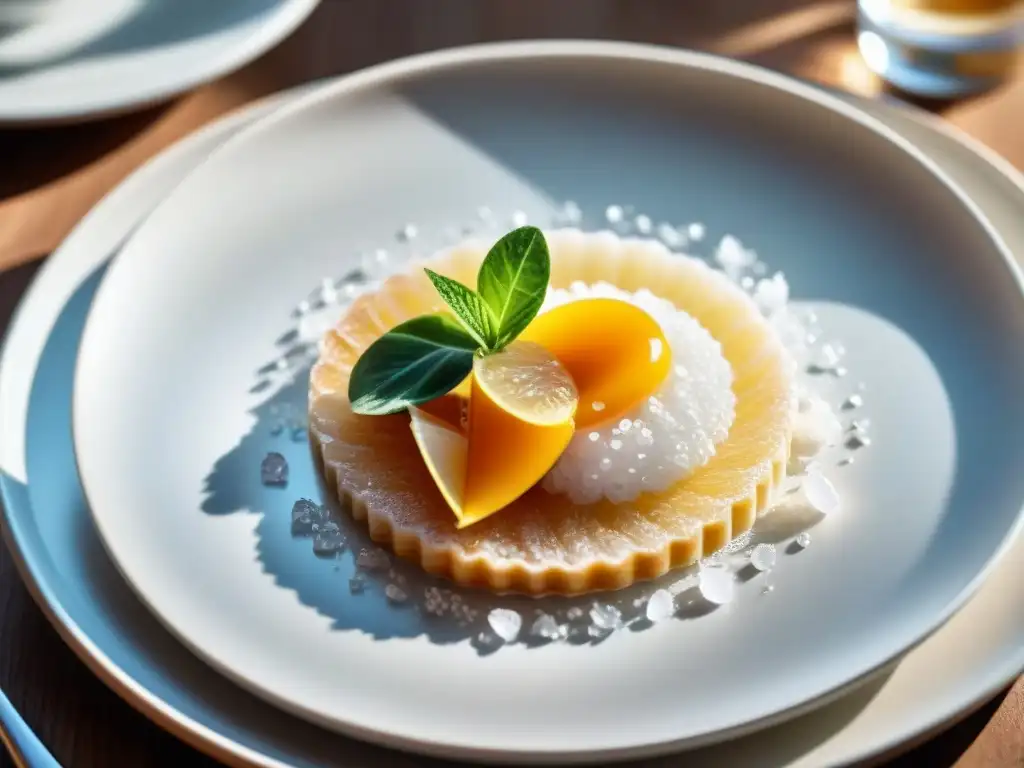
(513, 280)
(414, 362)
(468, 307)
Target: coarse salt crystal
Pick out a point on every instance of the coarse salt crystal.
(762, 557)
(660, 606)
(820, 493)
(717, 585)
(505, 623)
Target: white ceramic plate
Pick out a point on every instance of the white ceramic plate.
(170, 429)
(54, 543)
(64, 60)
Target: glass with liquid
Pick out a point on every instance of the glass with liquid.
(941, 48)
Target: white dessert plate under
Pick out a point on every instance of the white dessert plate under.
(809, 727)
(63, 60)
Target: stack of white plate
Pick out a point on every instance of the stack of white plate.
(188, 296)
(74, 60)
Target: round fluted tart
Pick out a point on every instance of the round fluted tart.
(558, 538)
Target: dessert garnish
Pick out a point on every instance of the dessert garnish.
(496, 390)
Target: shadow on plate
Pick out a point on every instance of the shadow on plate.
(313, 547)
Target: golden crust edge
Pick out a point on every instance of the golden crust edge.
(512, 576)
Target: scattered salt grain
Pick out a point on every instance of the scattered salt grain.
(505, 623)
(828, 356)
(733, 257)
(395, 594)
(304, 514)
(771, 294)
(853, 401)
(605, 618)
(274, 470)
(814, 427)
(357, 584)
(547, 628)
(372, 560)
(670, 236)
(660, 606)
(329, 540)
(406, 233)
(695, 231)
(574, 613)
(717, 585)
(820, 493)
(614, 214)
(643, 223)
(803, 540)
(762, 557)
(519, 219)
(597, 405)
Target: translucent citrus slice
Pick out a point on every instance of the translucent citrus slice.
(615, 352)
(518, 423)
(542, 542)
(520, 420)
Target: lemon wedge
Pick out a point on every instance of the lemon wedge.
(520, 419)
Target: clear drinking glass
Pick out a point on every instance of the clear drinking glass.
(941, 48)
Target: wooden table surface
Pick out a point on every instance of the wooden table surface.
(50, 177)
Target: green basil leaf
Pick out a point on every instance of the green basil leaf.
(468, 307)
(414, 362)
(513, 280)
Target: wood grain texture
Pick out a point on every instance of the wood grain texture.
(49, 178)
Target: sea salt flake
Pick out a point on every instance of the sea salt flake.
(274, 470)
(304, 514)
(660, 606)
(605, 617)
(395, 593)
(373, 560)
(670, 235)
(505, 623)
(762, 557)
(771, 294)
(717, 585)
(547, 628)
(820, 493)
(733, 257)
(329, 540)
(803, 540)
